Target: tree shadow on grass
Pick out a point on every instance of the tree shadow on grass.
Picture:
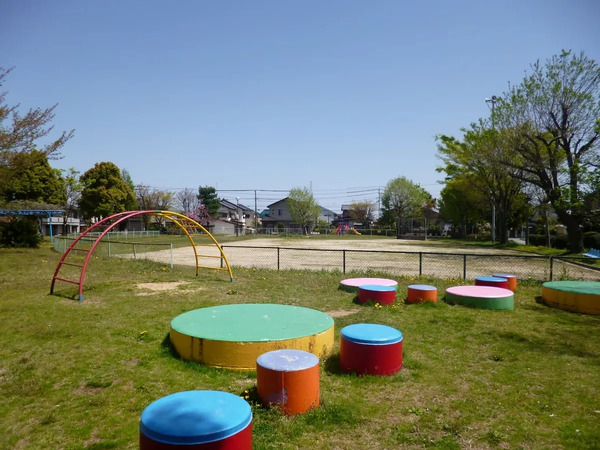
(168, 348)
(332, 365)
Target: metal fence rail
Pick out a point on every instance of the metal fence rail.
(109, 248)
(466, 266)
(439, 265)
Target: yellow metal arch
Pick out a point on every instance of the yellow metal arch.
(173, 217)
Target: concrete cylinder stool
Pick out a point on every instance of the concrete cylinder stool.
(512, 280)
(419, 293)
(195, 420)
(384, 295)
(370, 349)
(492, 281)
(288, 378)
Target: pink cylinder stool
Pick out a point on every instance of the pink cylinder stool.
(384, 295)
(370, 349)
(492, 281)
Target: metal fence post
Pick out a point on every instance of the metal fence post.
(343, 261)
(464, 267)
(420, 263)
(134, 255)
(109, 249)
(277, 258)
(171, 255)
(551, 267)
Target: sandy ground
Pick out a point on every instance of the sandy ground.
(249, 254)
(399, 257)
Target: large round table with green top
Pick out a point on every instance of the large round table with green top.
(576, 296)
(234, 336)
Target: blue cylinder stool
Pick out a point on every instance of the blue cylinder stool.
(492, 281)
(370, 349)
(195, 420)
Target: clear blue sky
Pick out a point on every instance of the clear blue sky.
(337, 96)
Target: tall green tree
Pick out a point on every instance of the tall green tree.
(303, 208)
(105, 192)
(32, 179)
(402, 199)
(207, 195)
(554, 118)
(483, 157)
(461, 205)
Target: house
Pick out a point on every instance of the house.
(279, 216)
(229, 211)
(224, 227)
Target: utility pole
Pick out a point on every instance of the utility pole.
(493, 101)
(255, 214)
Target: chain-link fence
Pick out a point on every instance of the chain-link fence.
(438, 265)
(125, 249)
(465, 266)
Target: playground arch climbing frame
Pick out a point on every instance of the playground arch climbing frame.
(102, 227)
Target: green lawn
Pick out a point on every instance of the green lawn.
(78, 375)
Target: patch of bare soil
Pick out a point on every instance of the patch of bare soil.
(341, 312)
(151, 288)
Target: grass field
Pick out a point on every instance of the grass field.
(78, 375)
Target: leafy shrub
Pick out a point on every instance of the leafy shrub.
(591, 239)
(20, 232)
(537, 240)
(560, 242)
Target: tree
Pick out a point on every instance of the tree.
(186, 200)
(402, 199)
(150, 199)
(208, 197)
(20, 232)
(483, 157)
(21, 134)
(200, 214)
(73, 187)
(462, 205)
(105, 192)
(127, 179)
(31, 178)
(554, 118)
(303, 208)
(362, 212)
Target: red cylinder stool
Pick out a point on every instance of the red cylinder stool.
(370, 349)
(512, 280)
(419, 293)
(206, 420)
(384, 295)
(289, 378)
(492, 281)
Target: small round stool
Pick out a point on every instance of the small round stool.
(370, 349)
(384, 295)
(492, 281)
(195, 420)
(419, 293)
(512, 280)
(289, 378)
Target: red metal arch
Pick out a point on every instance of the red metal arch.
(108, 223)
